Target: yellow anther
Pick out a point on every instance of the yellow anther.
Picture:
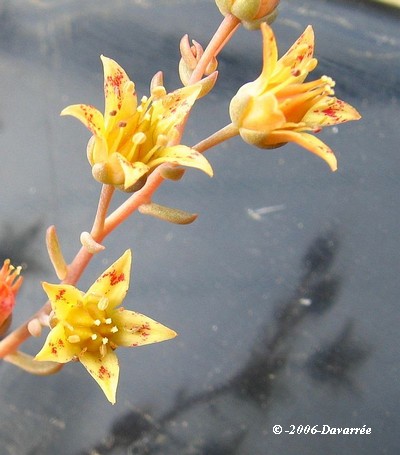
(114, 329)
(97, 322)
(139, 138)
(105, 340)
(94, 336)
(108, 321)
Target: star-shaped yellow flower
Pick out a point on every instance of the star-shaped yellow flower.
(89, 326)
(130, 140)
(279, 107)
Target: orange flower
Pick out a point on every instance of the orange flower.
(279, 107)
(10, 282)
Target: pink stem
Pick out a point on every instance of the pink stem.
(221, 36)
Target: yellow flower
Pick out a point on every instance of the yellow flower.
(129, 141)
(10, 282)
(250, 12)
(279, 106)
(89, 326)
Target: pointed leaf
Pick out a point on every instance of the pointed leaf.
(172, 215)
(55, 253)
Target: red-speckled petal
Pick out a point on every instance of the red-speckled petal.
(63, 298)
(300, 53)
(176, 105)
(57, 348)
(119, 93)
(331, 112)
(135, 329)
(132, 171)
(114, 282)
(88, 115)
(104, 370)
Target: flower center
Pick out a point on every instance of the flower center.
(91, 326)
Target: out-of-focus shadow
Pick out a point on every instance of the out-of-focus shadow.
(315, 294)
(258, 380)
(336, 362)
(18, 245)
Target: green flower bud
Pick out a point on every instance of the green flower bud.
(250, 12)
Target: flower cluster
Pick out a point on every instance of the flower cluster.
(134, 138)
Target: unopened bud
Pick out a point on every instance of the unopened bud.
(250, 12)
(190, 57)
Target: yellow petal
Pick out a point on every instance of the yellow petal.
(114, 282)
(135, 329)
(109, 171)
(270, 53)
(97, 150)
(308, 141)
(63, 298)
(176, 105)
(299, 56)
(57, 348)
(88, 115)
(119, 93)
(263, 114)
(104, 370)
(183, 155)
(332, 112)
(132, 171)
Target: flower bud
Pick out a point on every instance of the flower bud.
(190, 57)
(250, 12)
